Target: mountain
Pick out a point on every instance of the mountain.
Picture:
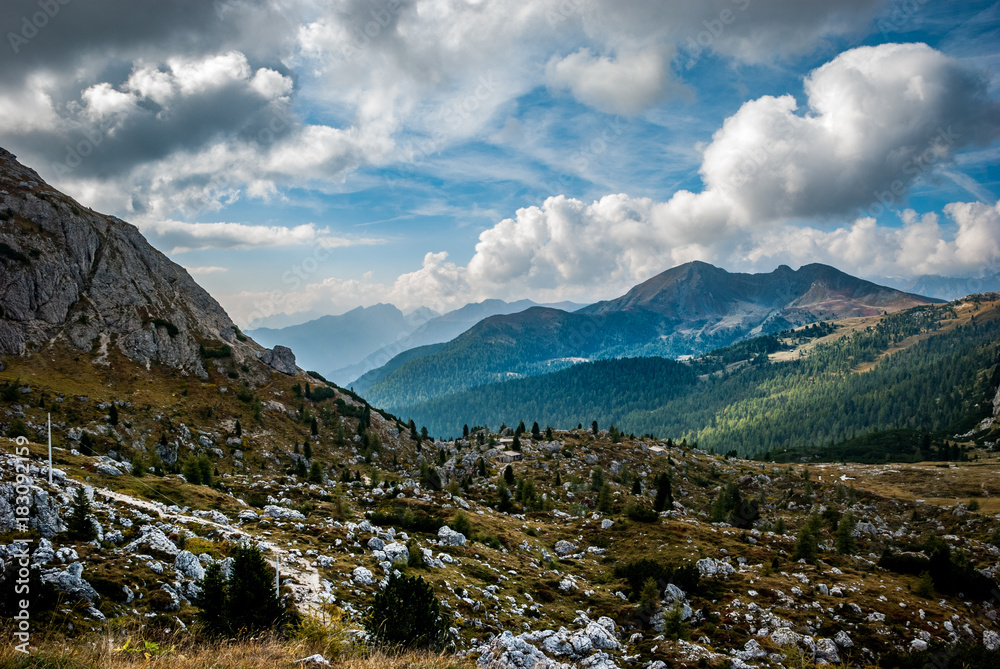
(948, 287)
(704, 298)
(435, 331)
(684, 311)
(334, 342)
(71, 275)
(178, 453)
(800, 389)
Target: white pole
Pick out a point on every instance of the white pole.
(277, 577)
(50, 449)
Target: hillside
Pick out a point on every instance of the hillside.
(438, 330)
(71, 275)
(805, 388)
(688, 310)
(556, 549)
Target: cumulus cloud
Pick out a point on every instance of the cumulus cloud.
(626, 83)
(877, 119)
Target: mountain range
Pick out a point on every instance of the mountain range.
(331, 342)
(183, 450)
(684, 311)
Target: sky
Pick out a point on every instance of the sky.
(312, 156)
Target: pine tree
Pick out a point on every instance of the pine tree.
(593, 428)
(406, 614)
(314, 426)
(508, 475)
(239, 428)
(252, 605)
(558, 480)
(113, 415)
(79, 525)
(520, 429)
(846, 544)
(664, 500)
(536, 432)
(604, 499)
(316, 473)
(307, 449)
(212, 601)
(465, 431)
(516, 444)
(548, 434)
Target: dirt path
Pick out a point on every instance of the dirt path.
(305, 587)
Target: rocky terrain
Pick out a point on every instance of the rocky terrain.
(534, 585)
(545, 548)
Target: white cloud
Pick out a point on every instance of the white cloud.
(206, 269)
(627, 83)
(179, 236)
(877, 118)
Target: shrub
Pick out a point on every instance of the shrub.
(641, 513)
(638, 572)
(460, 523)
(16, 429)
(406, 615)
(316, 473)
(924, 586)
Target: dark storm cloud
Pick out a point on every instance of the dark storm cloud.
(61, 35)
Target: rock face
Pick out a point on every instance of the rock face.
(72, 274)
(71, 583)
(281, 359)
(45, 511)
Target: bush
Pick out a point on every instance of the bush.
(16, 429)
(460, 523)
(638, 572)
(641, 513)
(406, 615)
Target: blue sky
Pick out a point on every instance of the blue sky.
(553, 150)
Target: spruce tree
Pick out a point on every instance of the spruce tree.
(252, 605)
(79, 525)
(406, 615)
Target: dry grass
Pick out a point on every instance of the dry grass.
(190, 650)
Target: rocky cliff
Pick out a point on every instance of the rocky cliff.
(70, 274)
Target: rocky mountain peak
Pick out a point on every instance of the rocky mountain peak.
(73, 275)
